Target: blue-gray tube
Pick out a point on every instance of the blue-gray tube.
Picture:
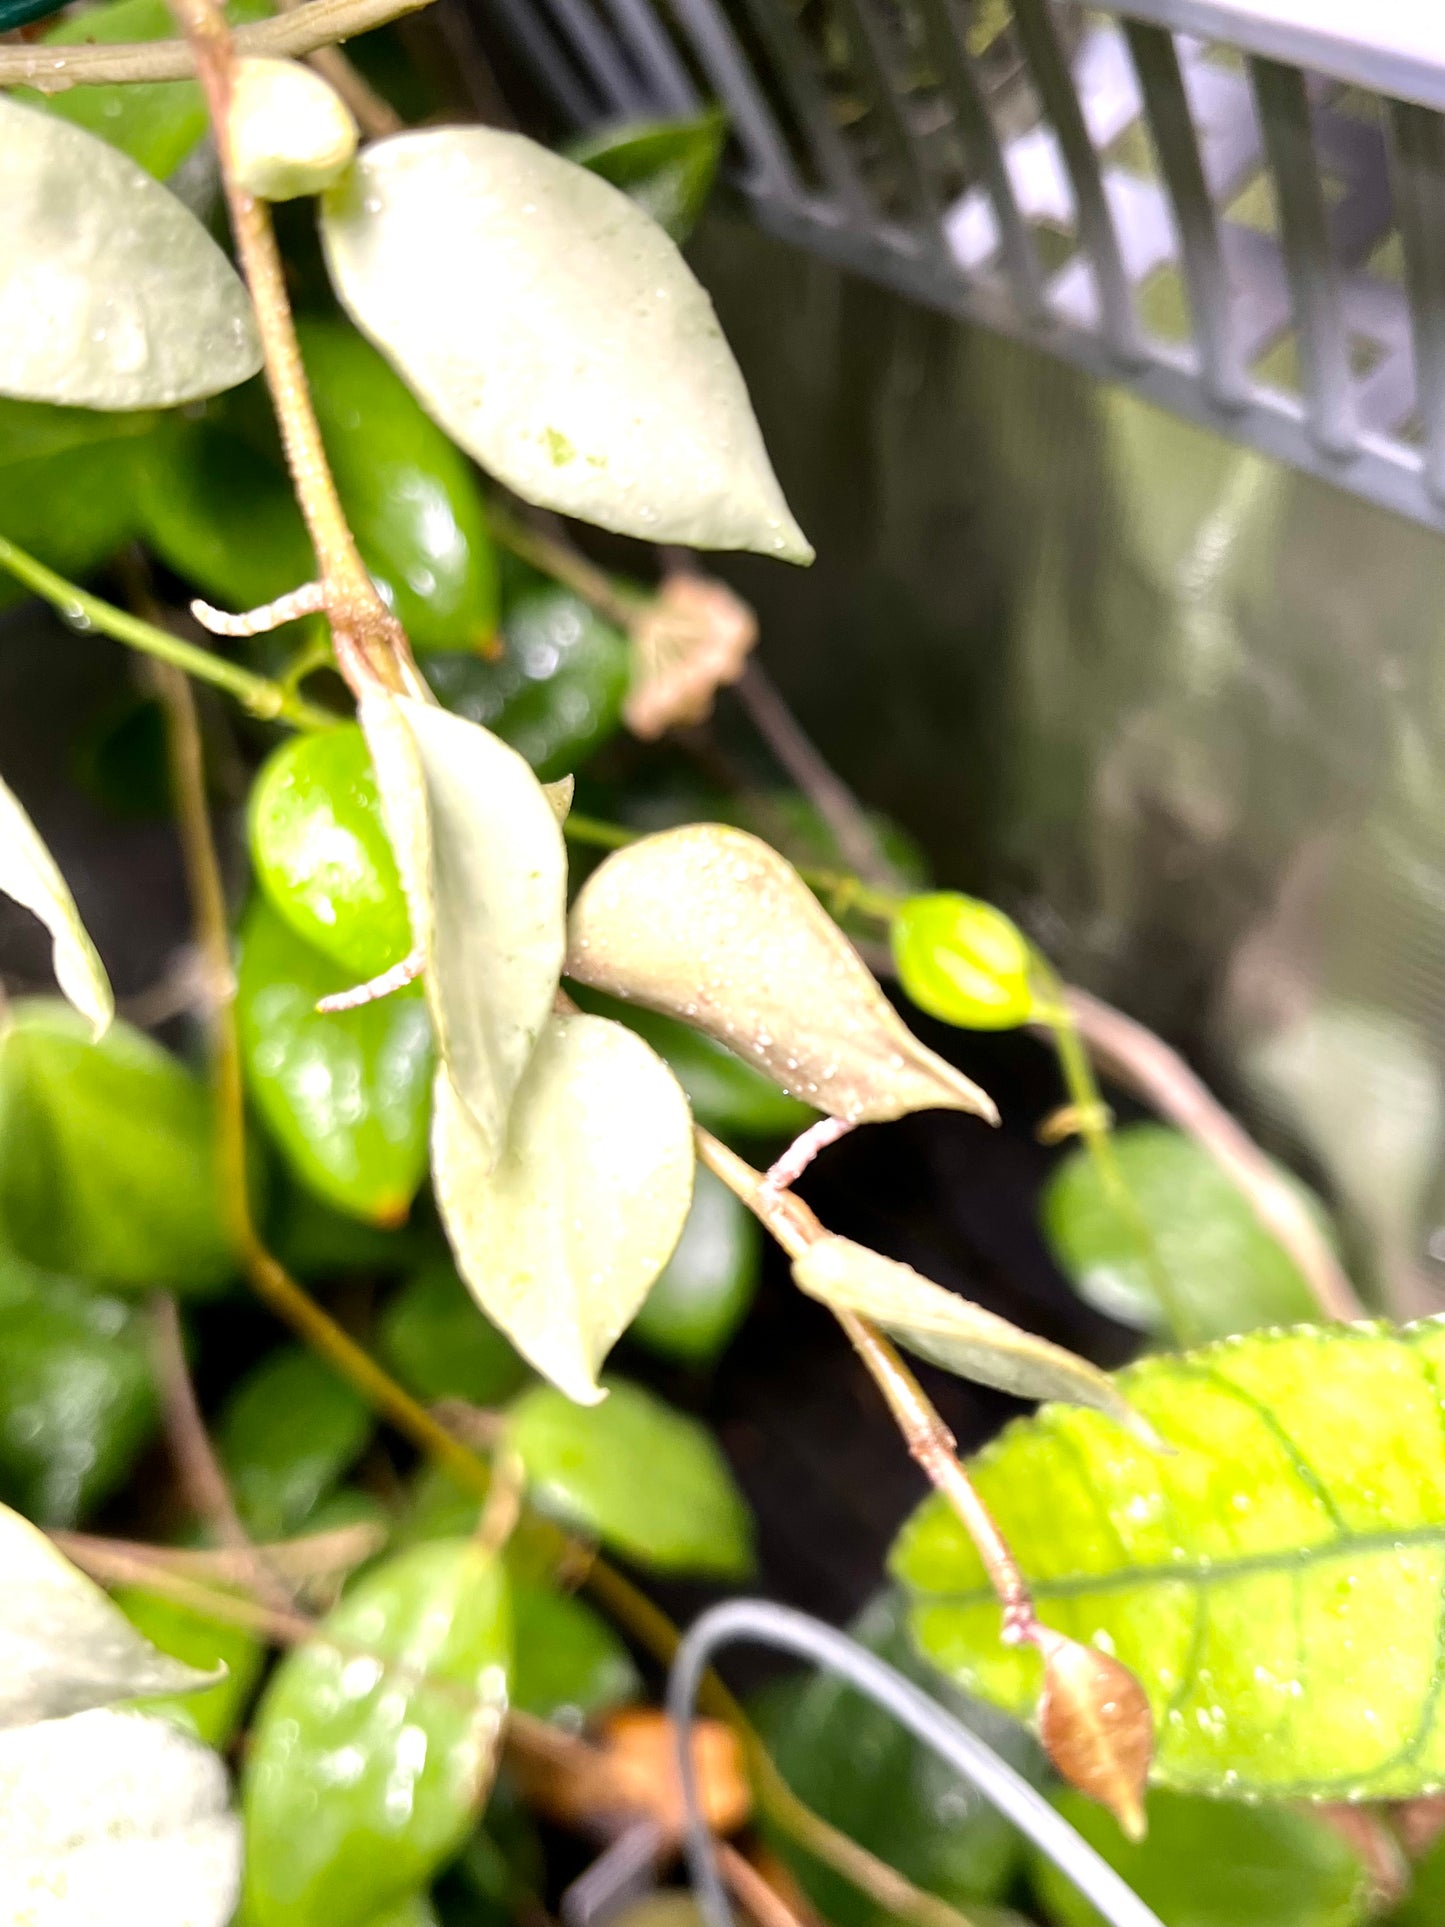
(779, 1626)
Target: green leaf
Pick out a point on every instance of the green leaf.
(1227, 1272)
(555, 693)
(482, 860)
(667, 166)
(561, 1241)
(202, 479)
(709, 924)
(725, 1094)
(63, 1646)
(636, 1474)
(1425, 1906)
(370, 1757)
(1274, 1581)
(114, 1817)
(703, 1292)
(556, 333)
(1207, 1863)
(157, 123)
(77, 1394)
(69, 481)
(321, 851)
(411, 498)
(952, 1331)
(107, 1156)
(963, 961)
(865, 1774)
(288, 1434)
(440, 1346)
(569, 1663)
(290, 132)
(30, 877)
(347, 1096)
(214, 1715)
(113, 295)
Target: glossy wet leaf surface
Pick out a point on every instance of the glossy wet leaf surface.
(213, 1715)
(1211, 1863)
(555, 332)
(949, 1330)
(485, 871)
(555, 693)
(69, 483)
(115, 1817)
(107, 1163)
(711, 925)
(29, 876)
(371, 1756)
(440, 1346)
(321, 851)
(77, 1394)
(643, 1478)
(1244, 1577)
(857, 1767)
(411, 498)
(1228, 1274)
(569, 1663)
(346, 1095)
(286, 1437)
(114, 295)
(64, 1648)
(703, 1291)
(667, 167)
(561, 1240)
(963, 961)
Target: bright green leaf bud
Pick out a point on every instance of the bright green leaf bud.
(963, 961)
(291, 132)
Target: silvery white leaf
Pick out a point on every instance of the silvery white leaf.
(482, 859)
(711, 925)
(555, 331)
(114, 1819)
(112, 295)
(28, 873)
(953, 1332)
(562, 1240)
(63, 1645)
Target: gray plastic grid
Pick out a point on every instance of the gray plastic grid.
(1273, 268)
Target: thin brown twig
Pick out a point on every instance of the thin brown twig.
(317, 1555)
(318, 23)
(757, 1895)
(1143, 1061)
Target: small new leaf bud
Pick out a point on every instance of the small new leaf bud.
(963, 961)
(1096, 1726)
(291, 132)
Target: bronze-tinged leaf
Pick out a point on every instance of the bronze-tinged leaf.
(1095, 1723)
(711, 925)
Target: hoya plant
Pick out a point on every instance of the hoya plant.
(468, 1084)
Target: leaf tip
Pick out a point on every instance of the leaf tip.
(1096, 1726)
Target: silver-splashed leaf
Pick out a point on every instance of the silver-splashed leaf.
(63, 1646)
(555, 331)
(112, 294)
(561, 1241)
(29, 875)
(711, 925)
(953, 1332)
(481, 856)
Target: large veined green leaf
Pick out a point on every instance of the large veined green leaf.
(561, 1241)
(347, 1096)
(64, 1648)
(1226, 1272)
(375, 1743)
(557, 334)
(641, 1476)
(286, 1437)
(107, 1156)
(29, 875)
(481, 857)
(115, 1817)
(112, 294)
(710, 924)
(1216, 1863)
(1274, 1580)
